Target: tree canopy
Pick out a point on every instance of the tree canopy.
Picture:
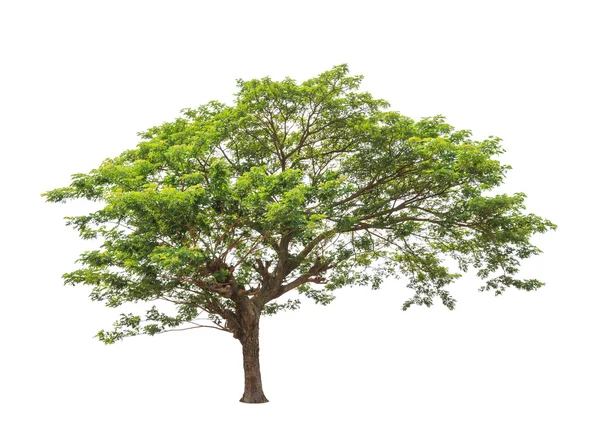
(307, 187)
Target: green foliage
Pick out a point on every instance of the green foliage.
(312, 186)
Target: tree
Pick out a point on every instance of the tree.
(305, 187)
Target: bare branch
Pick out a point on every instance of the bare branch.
(196, 326)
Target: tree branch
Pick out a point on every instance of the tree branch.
(314, 274)
(196, 326)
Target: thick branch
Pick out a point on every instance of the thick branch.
(314, 274)
(299, 281)
(214, 287)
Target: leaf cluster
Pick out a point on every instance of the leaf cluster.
(309, 187)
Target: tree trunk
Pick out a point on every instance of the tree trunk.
(253, 392)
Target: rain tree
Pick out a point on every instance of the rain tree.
(296, 190)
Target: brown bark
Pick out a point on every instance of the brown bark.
(253, 392)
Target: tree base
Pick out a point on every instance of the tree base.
(255, 398)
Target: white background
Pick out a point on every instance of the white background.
(79, 79)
